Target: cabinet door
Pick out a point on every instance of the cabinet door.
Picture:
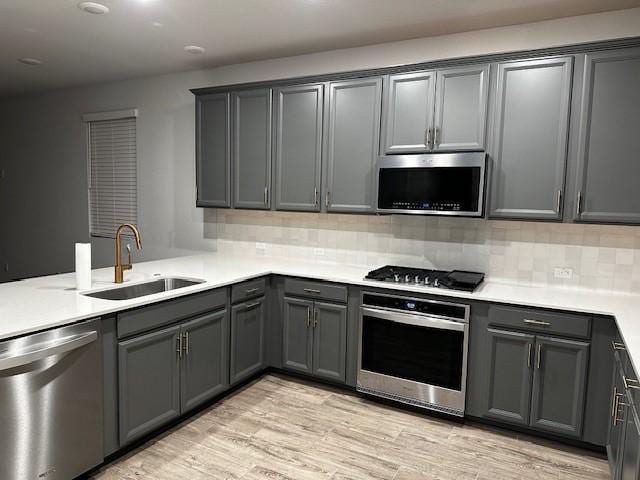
(461, 108)
(298, 147)
(149, 382)
(630, 465)
(213, 150)
(247, 339)
(530, 138)
(330, 341)
(252, 148)
(408, 112)
(559, 385)
(509, 383)
(297, 342)
(205, 366)
(352, 144)
(609, 143)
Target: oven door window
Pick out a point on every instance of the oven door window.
(441, 188)
(427, 355)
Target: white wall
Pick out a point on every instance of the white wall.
(43, 197)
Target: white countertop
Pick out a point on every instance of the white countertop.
(40, 303)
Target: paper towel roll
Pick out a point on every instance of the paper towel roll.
(83, 266)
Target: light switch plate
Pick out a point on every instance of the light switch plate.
(261, 247)
(564, 273)
(319, 252)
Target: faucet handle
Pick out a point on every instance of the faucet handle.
(129, 254)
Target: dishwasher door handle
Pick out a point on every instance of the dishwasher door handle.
(49, 349)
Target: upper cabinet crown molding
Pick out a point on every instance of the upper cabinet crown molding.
(608, 166)
(530, 137)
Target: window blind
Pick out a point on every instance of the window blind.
(112, 175)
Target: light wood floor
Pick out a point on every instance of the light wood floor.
(279, 428)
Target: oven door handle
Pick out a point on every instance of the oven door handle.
(416, 320)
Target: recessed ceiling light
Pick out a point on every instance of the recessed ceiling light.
(93, 8)
(30, 61)
(194, 49)
(157, 24)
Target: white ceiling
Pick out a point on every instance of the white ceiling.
(77, 48)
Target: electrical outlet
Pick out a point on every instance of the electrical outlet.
(319, 252)
(564, 273)
(261, 247)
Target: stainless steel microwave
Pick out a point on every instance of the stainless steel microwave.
(431, 184)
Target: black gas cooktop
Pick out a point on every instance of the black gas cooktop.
(454, 279)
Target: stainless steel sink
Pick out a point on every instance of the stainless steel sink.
(145, 288)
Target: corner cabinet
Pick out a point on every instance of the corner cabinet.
(213, 150)
(252, 148)
(298, 147)
(352, 139)
(530, 135)
(444, 110)
(608, 166)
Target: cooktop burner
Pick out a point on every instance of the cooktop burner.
(455, 279)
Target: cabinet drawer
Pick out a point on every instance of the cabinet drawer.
(305, 288)
(249, 289)
(541, 321)
(164, 313)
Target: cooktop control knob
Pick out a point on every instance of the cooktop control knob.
(417, 279)
(396, 277)
(436, 283)
(407, 278)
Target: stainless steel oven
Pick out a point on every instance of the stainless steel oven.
(431, 184)
(414, 351)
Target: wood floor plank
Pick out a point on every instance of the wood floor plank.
(279, 428)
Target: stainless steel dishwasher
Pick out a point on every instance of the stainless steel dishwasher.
(51, 404)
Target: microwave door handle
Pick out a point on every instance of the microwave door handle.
(416, 320)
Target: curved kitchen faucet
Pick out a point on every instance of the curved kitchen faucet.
(119, 266)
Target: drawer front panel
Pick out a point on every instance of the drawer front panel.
(164, 313)
(541, 321)
(250, 289)
(325, 291)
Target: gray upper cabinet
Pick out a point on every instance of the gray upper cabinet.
(205, 364)
(408, 112)
(297, 335)
(252, 148)
(213, 150)
(530, 132)
(461, 108)
(352, 139)
(247, 339)
(330, 341)
(559, 385)
(298, 147)
(508, 380)
(149, 382)
(608, 166)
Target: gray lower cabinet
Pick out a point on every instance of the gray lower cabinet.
(615, 436)
(508, 361)
(247, 339)
(205, 359)
(461, 108)
(149, 382)
(559, 385)
(251, 148)
(314, 338)
(298, 147)
(352, 139)
(630, 462)
(530, 134)
(213, 150)
(608, 166)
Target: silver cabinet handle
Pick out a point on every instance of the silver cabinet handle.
(537, 322)
(558, 201)
(429, 138)
(618, 346)
(315, 318)
(315, 196)
(613, 401)
(251, 290)
(266, 195)
(616, 408)
(56, 347)
(327, 199)
(529, 355)
(186, 343)
(436, 137)
(308, 317)
(179, 346)
(538, 357)
(579, 204)
(251, 305)
(311, 290)
(631, 383)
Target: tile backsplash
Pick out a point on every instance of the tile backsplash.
(601, 256)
